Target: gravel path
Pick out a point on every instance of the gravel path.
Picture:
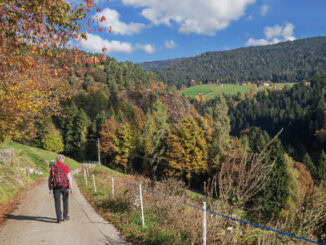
(34, 222)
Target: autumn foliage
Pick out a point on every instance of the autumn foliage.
(28, 84)
(186, 151)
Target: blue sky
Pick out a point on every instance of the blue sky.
(147, 30)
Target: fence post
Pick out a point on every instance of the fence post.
(94, 183)
(85, 176)
(112, 187)
(141, 205)
(204, 223)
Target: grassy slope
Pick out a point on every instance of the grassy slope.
(13, 180)
(210, 91)
(167, 220)
(119, 211)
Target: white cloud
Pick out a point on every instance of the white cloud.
(257, 42)
(273, 35)
(112, 18)
(264, 10)
(170, 44)
(192, 16)
(95, 43)
(277, 31)
(148, 48)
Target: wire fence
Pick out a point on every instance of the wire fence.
(203, 209)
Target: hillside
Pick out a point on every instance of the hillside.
(155, 65)
(85, 70)
(289, 61)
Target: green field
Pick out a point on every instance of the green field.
(210, 91)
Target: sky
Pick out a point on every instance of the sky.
(149, 30)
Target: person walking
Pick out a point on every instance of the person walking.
(60, 181)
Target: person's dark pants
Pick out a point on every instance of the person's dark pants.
(57, 202)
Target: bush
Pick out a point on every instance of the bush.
(52, 140)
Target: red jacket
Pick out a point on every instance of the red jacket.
(65, 169)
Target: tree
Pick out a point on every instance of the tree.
(93, 135)
(52, 140)
(108, 134)
(74, 125)
(124, 145)
(154, 133)
(117, 142)
(310, 167)
(186, 151)
(273, 197)
(322, 166)
(23, 100)
(221, 129)
(241, 175)
(81, 122)
(66, 125)
(27, 84)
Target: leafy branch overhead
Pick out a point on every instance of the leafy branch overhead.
(28, 83)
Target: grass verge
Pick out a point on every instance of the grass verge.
(173, 215)
(123, 210)
(27, 165)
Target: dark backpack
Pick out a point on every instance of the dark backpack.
(59, 177)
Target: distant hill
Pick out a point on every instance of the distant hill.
(155, 65)
(290, 61)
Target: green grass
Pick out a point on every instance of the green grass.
(120, 212)
(210, 91)
(39, 157)
(14, 180)
(104, 169)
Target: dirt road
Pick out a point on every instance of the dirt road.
(34, 222)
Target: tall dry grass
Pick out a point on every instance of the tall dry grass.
(169, 209)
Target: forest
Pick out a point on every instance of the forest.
(299, 111)
(291, 61)
(261, 153)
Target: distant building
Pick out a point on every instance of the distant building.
(262, 83)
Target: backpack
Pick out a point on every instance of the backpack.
(59, 177)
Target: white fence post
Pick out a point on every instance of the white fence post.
(112, 187)
(94, 183)
(85, 176)
(141, 205)
(204, 223)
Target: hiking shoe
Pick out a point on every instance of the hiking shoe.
(60, 220)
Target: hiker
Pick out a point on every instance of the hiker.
(60, 181)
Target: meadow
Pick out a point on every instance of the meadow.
(210, 91)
